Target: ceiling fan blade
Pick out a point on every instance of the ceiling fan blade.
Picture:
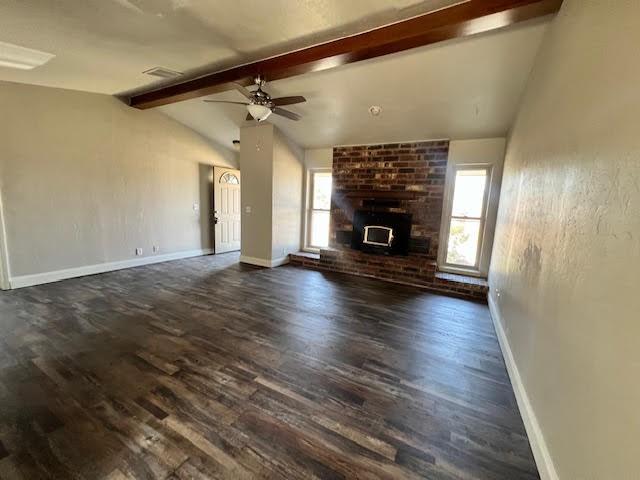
(288, 100)
(243, 90)
(225, 101)
(249, 117)
(286, 113)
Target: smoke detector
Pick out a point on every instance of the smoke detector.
(162, 72)
(375, 110)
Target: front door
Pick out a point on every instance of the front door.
(226, 209)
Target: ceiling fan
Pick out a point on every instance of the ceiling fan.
(261, 105)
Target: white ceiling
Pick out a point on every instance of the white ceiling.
(105, 45)
(467, 88)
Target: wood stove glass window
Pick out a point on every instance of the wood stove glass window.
(378, 235)
(319, 207)
(468, 213)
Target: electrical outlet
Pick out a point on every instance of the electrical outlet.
(247, 209)
(156, 249)
(138, 252)
(196, 207)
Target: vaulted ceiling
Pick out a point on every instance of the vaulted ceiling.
(105, 45)
(464, 88)
(467, 88)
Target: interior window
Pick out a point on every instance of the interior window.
(320, 183)
(468, 214)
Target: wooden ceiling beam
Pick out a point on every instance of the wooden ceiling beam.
(464, 19)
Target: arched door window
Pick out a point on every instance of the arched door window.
(229, 178)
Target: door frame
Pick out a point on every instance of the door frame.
(5, 283)
(218, 171)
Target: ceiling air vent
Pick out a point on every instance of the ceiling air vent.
(162, 72)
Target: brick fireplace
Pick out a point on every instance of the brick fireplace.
(401, 177)
(378, 181)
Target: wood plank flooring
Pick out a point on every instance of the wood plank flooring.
(207, 369)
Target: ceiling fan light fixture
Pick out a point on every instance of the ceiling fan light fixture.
(259, 112)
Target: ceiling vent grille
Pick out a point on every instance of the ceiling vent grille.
(162, 72)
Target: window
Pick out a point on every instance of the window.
(229, 178)
(463, 247)
(319, 205)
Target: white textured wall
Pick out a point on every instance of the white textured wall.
(567, 249)
(272, 170)
(86, 180)
(288, 170)
(256, 157)
(318, 158)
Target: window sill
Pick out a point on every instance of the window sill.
(308, 254)
(463, 279)
(467, 272)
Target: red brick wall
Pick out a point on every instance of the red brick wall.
(399, 177)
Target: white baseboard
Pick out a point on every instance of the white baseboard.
(261, 262)
(280, 261)
(56, 276)
(4, 258)
(546, 469)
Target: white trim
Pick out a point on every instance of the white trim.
(280, 261)
(262, 262)
(546, 468)
(483, 253)
(461, 271)
(472, 153)
(218, 172)
(5, 283)
(308, 204)
(56, 276)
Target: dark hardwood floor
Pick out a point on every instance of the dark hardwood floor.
(205, 368)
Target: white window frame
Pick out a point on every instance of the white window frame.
(485, 235)
(309, 208)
